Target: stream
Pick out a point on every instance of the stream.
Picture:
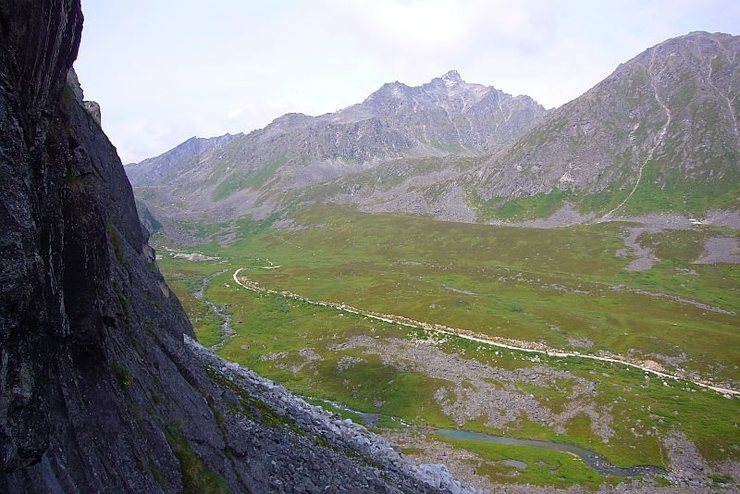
(227, 332)
(594, 460)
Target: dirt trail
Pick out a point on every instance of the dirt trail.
(521, 346)
(658, 141)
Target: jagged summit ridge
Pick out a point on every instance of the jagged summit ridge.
(442, 117)
(451, 77)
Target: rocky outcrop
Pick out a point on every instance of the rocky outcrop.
(92, 107)
(98, 390)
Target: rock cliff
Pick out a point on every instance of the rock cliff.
(99, 389)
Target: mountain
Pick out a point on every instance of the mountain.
(227, 175)
(183, 156)
(658, 135)
(101, 387)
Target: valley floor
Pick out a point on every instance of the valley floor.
(355, 312)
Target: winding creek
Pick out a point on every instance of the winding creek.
(226, 332)
(594, 460)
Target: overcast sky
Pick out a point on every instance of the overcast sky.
(166, 70)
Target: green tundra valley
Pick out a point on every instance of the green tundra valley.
(536, 299)
(257, 300)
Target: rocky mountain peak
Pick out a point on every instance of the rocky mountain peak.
(446, 115)
(389, 90)
(451, 78)
(660, 130)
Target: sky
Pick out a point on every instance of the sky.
(166, 70)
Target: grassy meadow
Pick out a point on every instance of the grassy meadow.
(564, 287)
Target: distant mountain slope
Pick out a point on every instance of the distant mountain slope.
(183, 157)
(446, 115)
(659, 133)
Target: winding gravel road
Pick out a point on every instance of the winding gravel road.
(468, 335)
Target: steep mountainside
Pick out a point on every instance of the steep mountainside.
(233, 175)
(100, 388)
(660, 134)
(186, 156)
(657, 135)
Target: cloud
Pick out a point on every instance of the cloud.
(139, 139)
(234, 113)
(430, 24)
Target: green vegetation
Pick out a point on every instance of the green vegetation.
(447, 147)
(252, 179)
(261, 176)
(208, 324)
(604, 200)
(676, 245)
(74, 181)
(542, 285)
(123, 375)
(197, 478)
(255, 409)
(392, 174)
(658, 192)
(521, 208)
(117, 242)
(539, 285)
(202, 230)
(157, 474)
(675, 196)
(544, 467)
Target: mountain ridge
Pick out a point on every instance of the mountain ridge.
(607, 125)
(295, 151)
(470, 152)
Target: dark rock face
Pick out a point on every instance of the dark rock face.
(98, 392)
